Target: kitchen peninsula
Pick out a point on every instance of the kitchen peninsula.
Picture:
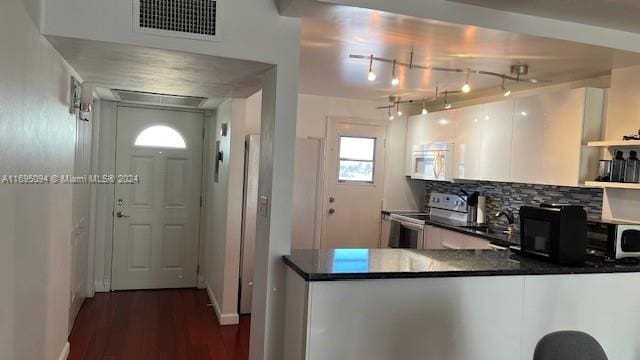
(451, 304)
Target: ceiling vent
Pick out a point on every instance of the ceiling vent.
(194, 19)
(138, 97)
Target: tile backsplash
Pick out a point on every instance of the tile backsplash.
(512, 195)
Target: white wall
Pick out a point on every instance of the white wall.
(37, 136)
(224, 209)
(313, 111)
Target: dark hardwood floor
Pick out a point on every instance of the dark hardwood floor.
(155, 324)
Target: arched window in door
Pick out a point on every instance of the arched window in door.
(160, 136)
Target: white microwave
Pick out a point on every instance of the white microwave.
(432, 161)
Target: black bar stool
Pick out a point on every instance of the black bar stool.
(569, 345)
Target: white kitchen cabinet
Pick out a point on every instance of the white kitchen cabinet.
(467, 142)
(454, 240)
(539, 139)
(417, 131)
(495, 145)
(528, 139)
(573, 118)
(385, 231)
(436, 238)
(429, 128)
(432, 237)
(441, 126)
(550, 131)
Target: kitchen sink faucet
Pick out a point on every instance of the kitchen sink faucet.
(510, 219)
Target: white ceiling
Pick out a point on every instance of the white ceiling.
(328, 39)
(118, 66)
(614, 14)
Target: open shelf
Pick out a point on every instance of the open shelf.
(612, 185)
(614, 143)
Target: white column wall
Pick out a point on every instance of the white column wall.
(37, 136)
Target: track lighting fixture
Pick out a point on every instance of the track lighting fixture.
(466, 88)
(446, 103)
(372, 75)
(516, 72)
(424, 108)
(389, 113)
(394, 78)
(398, 108)
(506, 92)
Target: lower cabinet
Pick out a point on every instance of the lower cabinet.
(385, 231)
(438, 238)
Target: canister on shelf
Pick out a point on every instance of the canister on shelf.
(618, 165)
(632, 168)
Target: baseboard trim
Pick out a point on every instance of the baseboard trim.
(223, 319)
(102, 286)
(65, 352)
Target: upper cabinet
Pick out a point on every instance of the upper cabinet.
(528, 139)
(550, 134)
(539, 139)
(495, 145)
(467, 142)
(429, 128)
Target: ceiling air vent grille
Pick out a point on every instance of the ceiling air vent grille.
(148, 98)
(184, 18)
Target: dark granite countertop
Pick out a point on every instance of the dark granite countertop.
(359, 264)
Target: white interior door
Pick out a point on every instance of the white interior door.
(81, 215)
(156, 224)
(354, 184)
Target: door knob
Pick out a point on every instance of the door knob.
(121, 214)
(331, 211)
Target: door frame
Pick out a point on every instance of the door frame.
(101, 237)
(337, 120)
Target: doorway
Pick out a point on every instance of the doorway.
(157, 198)
(354, 183)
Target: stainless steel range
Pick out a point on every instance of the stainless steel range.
(407, 230)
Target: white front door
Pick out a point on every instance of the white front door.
(354, 183)
(156, 221)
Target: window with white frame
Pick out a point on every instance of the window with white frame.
(357, 159)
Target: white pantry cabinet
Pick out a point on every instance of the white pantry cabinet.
(495, 145)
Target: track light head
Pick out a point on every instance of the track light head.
(446, 103)
(372, 75)
(466, 88)
(394, 78)
(506, 92)
(398, 108)
(424, 111)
